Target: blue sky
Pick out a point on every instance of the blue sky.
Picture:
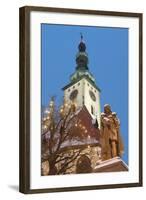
(107, 49)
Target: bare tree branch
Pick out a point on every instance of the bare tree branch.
(65, 165)
(58, 131)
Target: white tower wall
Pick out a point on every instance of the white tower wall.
(83, 97)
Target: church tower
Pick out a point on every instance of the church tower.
(82, 89)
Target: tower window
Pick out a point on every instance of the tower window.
(83, 100)
(73, 87)
(88, 84)
(78, 84)
(68, 90)
(92, 110)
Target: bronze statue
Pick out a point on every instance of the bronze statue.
(112, 145)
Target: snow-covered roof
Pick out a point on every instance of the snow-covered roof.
(75, 142)
(85, 133)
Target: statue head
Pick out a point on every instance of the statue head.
(107, 109)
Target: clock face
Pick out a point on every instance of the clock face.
(92, 95)
(73, 95)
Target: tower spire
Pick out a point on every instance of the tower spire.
(81, 37)
(82, 57)
(82, 63)
(82, 46)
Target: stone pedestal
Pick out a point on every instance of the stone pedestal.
(112, 165)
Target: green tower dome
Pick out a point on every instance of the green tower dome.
(82, 56)
(82, 63)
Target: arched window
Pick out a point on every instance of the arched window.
(83, 164)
